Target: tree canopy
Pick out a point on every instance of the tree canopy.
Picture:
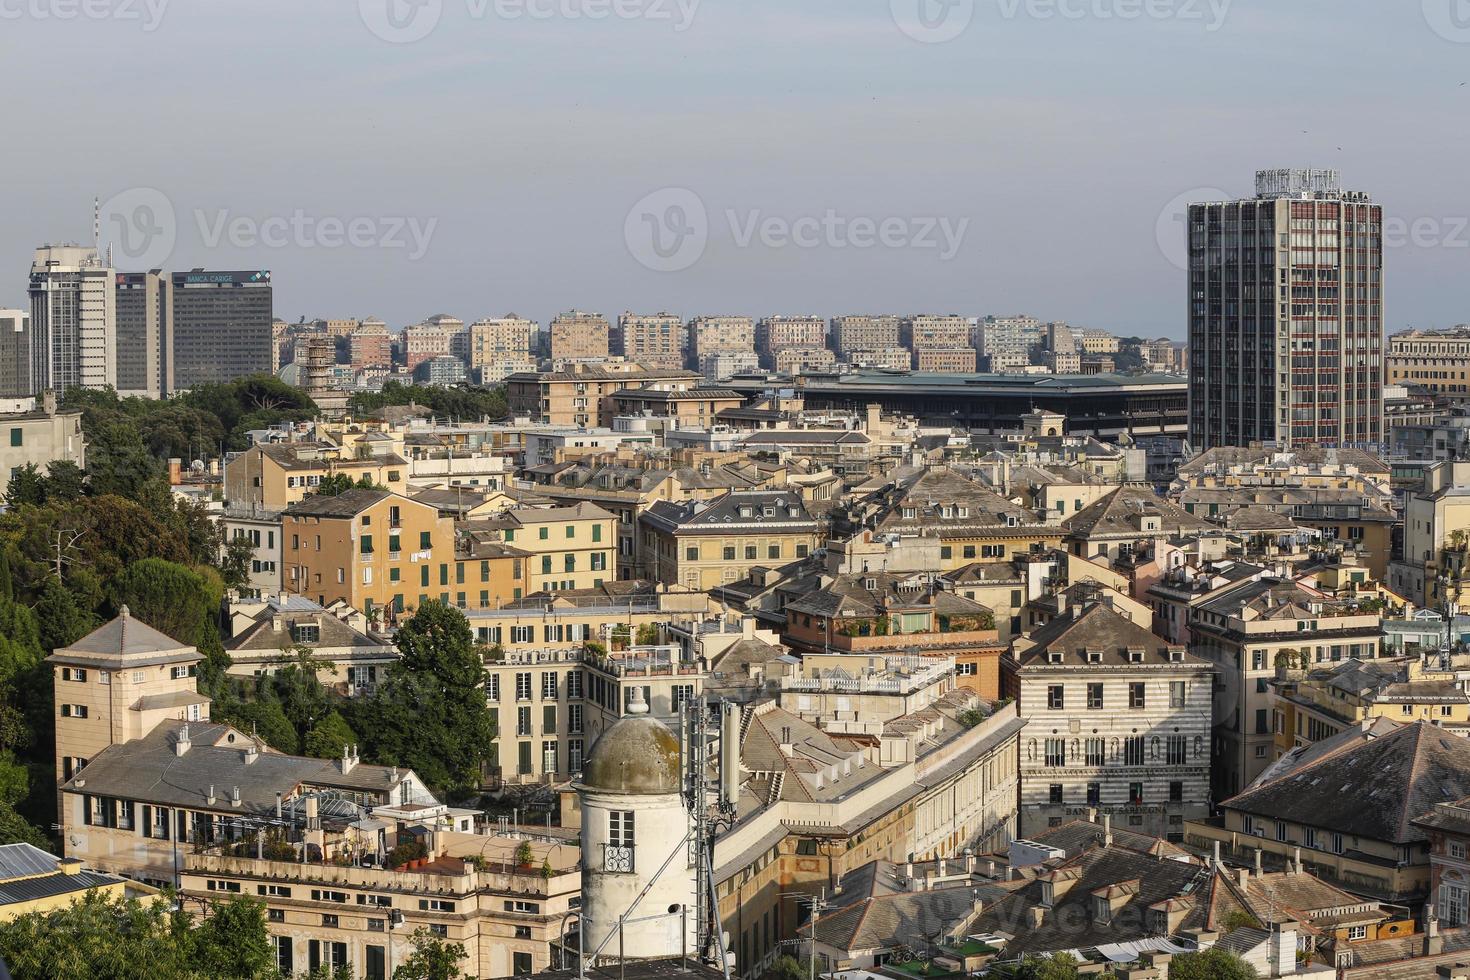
(465, 403)
(1212, 964)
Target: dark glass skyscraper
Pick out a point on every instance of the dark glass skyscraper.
(217, 327)
(1286, 316)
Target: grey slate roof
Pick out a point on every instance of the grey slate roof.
(347, 504)
(124, 640)
(1098, 628)
(1121, 511)
(1375, 789)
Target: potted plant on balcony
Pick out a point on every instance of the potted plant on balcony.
(524, 855)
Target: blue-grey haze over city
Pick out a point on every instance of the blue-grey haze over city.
(1053, 137)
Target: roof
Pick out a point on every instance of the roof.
(779, 510)
(1257, 456)
(970, 504)
(921, 919)
(124, 640)
(1097, 630)
(1123, 512)
(148, 769)
(637, 755)
(1079, 836)
(349, 503)
(1375, 789)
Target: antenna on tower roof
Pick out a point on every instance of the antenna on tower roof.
(96, 222)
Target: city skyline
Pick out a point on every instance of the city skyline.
(533, 217)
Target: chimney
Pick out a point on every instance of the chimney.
(347, 762)
(941, 866)
(210, 798)
(313, 821)
(1283, 948)
(252, 752)
(1242, 875)
(1259, 869)
(1296, 859)
(181, 745)
(69, 866)
(908, 869)
(48, 402)
(278, 805)
(1217, 863)
(1038, 916)
(1107, 830)
(234, 796)
(969, 862)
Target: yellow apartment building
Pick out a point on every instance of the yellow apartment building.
(702, 544)
(564, 548)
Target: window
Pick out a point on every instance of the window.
(1357, 932)
(596, 533)
(522, 634)
(1176, 694)
(1094, 794)
(691, 553)
(435, 905)
(74, 674)
(1454, 904)
(1135, 793)
(1457, 849)
(1095, 752)
(548, 685)
(16, 436)
(523, 720)
(1133, 750)
(1175, 749)
(574, 719)
(273, 891)
(1056, 752)
(1137, 695)
(523, 684)
(1176, 792)
(729, 553)
(1055, 794)
(1056, 697)
(1094, 697)
(318, 895)
(367, 544)
(73, 711)
(801, 551)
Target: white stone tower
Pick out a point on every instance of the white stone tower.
(636, 840)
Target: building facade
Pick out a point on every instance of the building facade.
(1286, 315)
(73, 320)
(218, 327)
(658, 340)
(578, 336)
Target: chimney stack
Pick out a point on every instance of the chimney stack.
(1296, 859)
(181, 745)
(1107, 830)
(210, 798)
(1217, 863)
(235, 796)
(1259, 868)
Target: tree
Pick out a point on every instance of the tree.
(432, 959)
(340, 483)
(1212, 964)
(108, 936)
(1058, 966)
(264, 717)
(429, 715)
(175, 600)
(233, 941)
(327, 739)
(27, 486)
(787, 968)
(61, 619)
(65, 481)
(234, 562)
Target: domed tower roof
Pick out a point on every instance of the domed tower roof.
(637, 755)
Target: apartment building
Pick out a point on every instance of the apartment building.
(658, 340)
(1097, 342)
(500, 340)
(798, 360)
(719, 365)
(351, 548)
(581, 396)
(864, 333)
(426, 341)
(564, 548)
(38, 437)
(774, 334)
(1119, 723)
(939, 360)
(1436, 529)
(720, 334)
(889, 359)
(689, 407)
(370, 346)
(1436, 360)
(971, 521)
(1302, 259)
(1315, 703)
(701, 544)
(1008, 335)
(73, 321)
(933, 331)
(579, 336)
(1247, 630)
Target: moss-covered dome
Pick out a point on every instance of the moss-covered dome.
(637, 754)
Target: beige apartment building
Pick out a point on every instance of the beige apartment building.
(582, 395)
(270, 477)
(579, 336)
(701, 544)
(945, 361)
(720, 334)
(794, 360)
(693, 407)
(564, 548)
(38, 437)
(888, 359)
(370, 346)
(506, 338)
(948, 332)
(1437, 360)
(777, 333)
(426, 341)
(864, 333)
(658, 340)
(1436, 532)
(1097, 342)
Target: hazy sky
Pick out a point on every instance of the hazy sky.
(723, 156)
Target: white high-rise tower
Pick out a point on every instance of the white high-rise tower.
(73, 320)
